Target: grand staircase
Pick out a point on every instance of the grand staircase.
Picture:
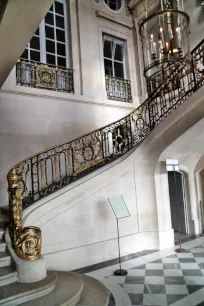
(48, 171)
(57, 289)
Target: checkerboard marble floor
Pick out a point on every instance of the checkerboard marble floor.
(166, 281)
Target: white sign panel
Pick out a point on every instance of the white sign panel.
(119, 207)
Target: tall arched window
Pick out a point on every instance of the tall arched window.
(114, 4)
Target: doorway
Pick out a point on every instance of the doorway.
(178, 204)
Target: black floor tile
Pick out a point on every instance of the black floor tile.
(194, 288)
(154, 273)
(200, 304)
(156, 261)
(134, 280)
(177, 280)
(171, 266)
(136, 299)
(187, 260)
(198, 255)
(143, 267)
(201, 265)
(172, 298)
(192, 272)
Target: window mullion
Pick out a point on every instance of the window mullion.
(55, 34)
(113, 56)
(42, 42)
(67, 34)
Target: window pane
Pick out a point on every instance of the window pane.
(112, 5)
(118, 70)
(35, 43)
(37, 32)
(61, 49)
(107, 49)
(119, 52)
(25, 54)
(50, 46)
(49, 18)
(51, 8)
(59, 21)
(49, 32)
(59, 8)
(60, 35)
(35, 55)
(51, 59)
(61, 61)
(108, 67)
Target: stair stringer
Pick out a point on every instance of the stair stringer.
(78, 226)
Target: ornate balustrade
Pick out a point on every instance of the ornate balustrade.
(39, 75)
(48, 171)
(118, 89)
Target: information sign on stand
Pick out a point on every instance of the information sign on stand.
(120, 211)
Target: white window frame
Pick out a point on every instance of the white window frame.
(43, 38)
(115, 41)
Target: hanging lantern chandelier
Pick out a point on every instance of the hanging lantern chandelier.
(165, 39)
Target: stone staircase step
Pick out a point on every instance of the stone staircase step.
(5, 259)
(17, 293)
(67, 292)
(2, 231)
(94, 292)
(7, 275)
(2, 246)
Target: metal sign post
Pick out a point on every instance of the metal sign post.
(120, 211)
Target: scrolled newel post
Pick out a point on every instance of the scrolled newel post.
(27, 241)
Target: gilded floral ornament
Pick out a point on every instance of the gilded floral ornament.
(27, 241)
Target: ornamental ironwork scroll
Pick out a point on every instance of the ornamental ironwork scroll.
(45, 76)
(118, 89)
(48, 171)
(26, 241)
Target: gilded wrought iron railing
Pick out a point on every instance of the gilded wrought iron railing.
(39, 75)
(48, 171)
(118, 89)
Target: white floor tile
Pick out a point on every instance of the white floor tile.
(197, 250)
(176, 289)
(131, 288)
(185, 255)
(194, 280)
(154, 280)
(170, 260)
(117, 279)
(136, 272)
(154, 266)
(155, 299)
(189, 266)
